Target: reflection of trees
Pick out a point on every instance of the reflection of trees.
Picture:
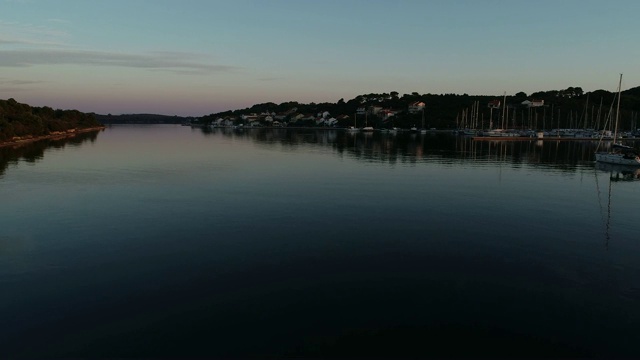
(34, 151)
(407, 147)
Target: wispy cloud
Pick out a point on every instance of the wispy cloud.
(11, 86)
(29, 42)
(168, 61)
(5, 81)
(14, 33)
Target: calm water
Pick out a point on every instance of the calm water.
(169, 241)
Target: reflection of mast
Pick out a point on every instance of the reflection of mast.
(606, 220)
(608, 224)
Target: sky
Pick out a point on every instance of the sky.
(197, 57)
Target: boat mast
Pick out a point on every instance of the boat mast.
(615, 132)
(504, 108)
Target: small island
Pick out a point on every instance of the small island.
(21, 123)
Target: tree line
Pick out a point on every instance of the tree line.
(562, 108)
(19, 120)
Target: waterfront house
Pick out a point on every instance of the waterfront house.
(250, 117)
(416, 107)
(296, 117)
(375, 109)
(324, 114)
(387, 113)
(533, 103)
(331, 122)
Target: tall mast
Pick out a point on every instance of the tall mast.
(504, 109)
(615, 133)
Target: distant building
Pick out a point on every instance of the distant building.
(324, 114)
(533, 103)
(250, 117)
(280, 116)
(375, 109)
(387, 113)
(296, 117)
(416, 107)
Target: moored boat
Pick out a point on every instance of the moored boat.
(619, 154)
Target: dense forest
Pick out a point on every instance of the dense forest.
(571, 107)
(21, 120)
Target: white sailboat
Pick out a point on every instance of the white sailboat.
(366, 124)
(619, 154)
(354, 128)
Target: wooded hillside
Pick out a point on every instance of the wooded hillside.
(19, 120)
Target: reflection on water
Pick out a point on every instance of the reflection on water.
(620, 172)
(33, 152)
(406, 147)
(160, 241)
(392, 148)
(617, 173)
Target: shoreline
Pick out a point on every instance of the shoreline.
(56, 136)
(555, 138)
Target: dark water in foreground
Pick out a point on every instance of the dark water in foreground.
(170, 241)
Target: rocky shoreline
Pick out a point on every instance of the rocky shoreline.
(22, 140)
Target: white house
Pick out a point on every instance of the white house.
(330, 122)
(324, 114)
(533, 103)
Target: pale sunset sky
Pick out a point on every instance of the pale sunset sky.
(196, 57)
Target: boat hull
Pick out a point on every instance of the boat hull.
(618, 159)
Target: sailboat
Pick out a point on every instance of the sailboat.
(619, 154)
(354, 128)
(366, 122)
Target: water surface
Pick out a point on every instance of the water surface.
(172, 241)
